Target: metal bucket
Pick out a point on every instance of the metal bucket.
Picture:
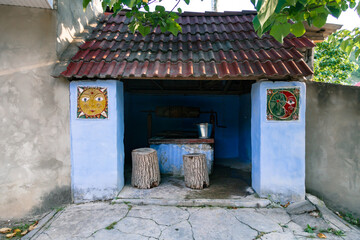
(204, 130)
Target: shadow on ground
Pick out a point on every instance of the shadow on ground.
(225, 183)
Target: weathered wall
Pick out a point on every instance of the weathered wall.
(333, 145)
(71, 20)
(278, 147)
(34, 143)
(34, 110)
(97, 150)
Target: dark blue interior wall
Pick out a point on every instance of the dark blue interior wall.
(245, 128)
(233, 112)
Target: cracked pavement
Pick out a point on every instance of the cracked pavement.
(105, 220)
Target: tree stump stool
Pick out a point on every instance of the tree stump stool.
(145, 168)
(195, 171)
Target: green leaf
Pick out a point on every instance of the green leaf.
(280, 5)
(343, 45)
(173, 15)
(291, 2)
(86, 3)
(174, 28)
(279, 31)
(258, 5)
(357, 53)
(159, 8)
(334, 11)
(319, 10)
(320, 20)
(266, 10)
(144, 30)
(187, 2)
(256, 23)
(129, 3)
(298, 29)
(358, 9)
(179, 10)
(146, 7)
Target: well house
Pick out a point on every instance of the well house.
(152, 91)
(216, 66)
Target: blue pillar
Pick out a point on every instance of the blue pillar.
(278, 140)
(97, 149)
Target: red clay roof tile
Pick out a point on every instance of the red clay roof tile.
(211, 45)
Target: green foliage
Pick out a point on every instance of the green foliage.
(350, 219)
(280, 17)
(142, 19)
(271, 13)
(332, 64)
(111, 226)
(333, 231)
(349, 41)
(309, 229)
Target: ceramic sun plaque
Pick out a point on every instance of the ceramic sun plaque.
(283, 104)
(92, 102)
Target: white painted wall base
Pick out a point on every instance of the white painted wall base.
(278, 147)
(97, 149)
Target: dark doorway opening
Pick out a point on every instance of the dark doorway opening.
(230, 99)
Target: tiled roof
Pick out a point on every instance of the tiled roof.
(211, 45)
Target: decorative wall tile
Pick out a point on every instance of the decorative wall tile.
(92, 102)
(283, 104)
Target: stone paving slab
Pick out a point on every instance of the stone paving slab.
(246, 202)
(104, 220)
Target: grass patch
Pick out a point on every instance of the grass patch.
(59, 209)
(350, 218)
(111, 226)
(260, 235)
(333, 231)
(309, 229)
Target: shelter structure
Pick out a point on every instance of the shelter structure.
(217, 64)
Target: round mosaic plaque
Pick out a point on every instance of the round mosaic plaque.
(282, 104)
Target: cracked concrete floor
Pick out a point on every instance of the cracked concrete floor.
(102, 220)
(237, 184)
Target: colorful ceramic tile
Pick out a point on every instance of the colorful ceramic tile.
(283, 104)
(92, 102)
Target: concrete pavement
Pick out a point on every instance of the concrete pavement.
(106, 220)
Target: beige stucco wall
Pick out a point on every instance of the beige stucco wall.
(34, 108)
(332, 145)
(71, 20)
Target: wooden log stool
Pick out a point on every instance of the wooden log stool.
(196, 171)
(145, 168)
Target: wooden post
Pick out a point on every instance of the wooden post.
(145, 168)
(195, 171)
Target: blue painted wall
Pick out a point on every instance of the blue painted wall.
(171, 156)
(278, 147)
(245, 128)
(233, 112)
(97, 155)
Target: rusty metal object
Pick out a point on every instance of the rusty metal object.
(177, 112)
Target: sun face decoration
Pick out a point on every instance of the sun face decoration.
(92, 102)
(283, 104)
